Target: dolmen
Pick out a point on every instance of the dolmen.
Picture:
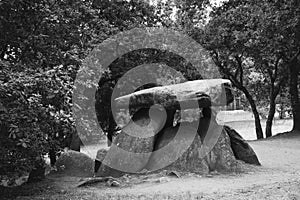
(151, 141)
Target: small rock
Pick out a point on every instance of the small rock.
(162, 180)
(174, 174)
(144, 171)
(214, 173)
(113, 183)
(54, 168)
(209, 175)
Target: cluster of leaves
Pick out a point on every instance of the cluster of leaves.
(253, 44)
(42, 45)
(50, 33)
(35, 116)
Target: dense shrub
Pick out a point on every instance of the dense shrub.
(34, 116)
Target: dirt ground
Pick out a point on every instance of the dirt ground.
(277, 178)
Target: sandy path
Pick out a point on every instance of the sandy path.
(278, 178)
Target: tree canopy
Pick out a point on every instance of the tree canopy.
(42, 45)
(253, 42)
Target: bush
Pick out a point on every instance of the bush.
(35, 116)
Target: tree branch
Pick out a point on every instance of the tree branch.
(295, 56)
(276, 67)
(293, 59)
(240, 67)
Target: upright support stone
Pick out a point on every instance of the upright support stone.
(132, 147)
(241, 149)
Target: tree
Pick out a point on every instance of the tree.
(183, 15)
(253, 34)
(36, 37)
(34, 119)
(42, 46)
(280, 32)
(44, 34)
(226, 36)
(290, 13)
(190, 18)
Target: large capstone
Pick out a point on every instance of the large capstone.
(191, 94)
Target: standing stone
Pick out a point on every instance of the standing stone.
(132, 147)
(200, 156)
(221, 157)
(178, 149)
(241, 149)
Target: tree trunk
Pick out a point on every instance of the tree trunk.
(38, 173)
(76, 142)
(239, 85)
(271, 114)
(281, 114)
(258, 128)
(109, 137)
(52, 156)
(295, 95)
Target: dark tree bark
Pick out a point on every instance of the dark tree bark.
(73, 142)
(270, 118)
(275, 88)
(109, 138)
(293, 89)
(237, 79)
(38, 173)
(258, 128)
(52, 156)
(111, 129)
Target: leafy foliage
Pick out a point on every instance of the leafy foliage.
(42, 46)
(35, 116)
(248, 40)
